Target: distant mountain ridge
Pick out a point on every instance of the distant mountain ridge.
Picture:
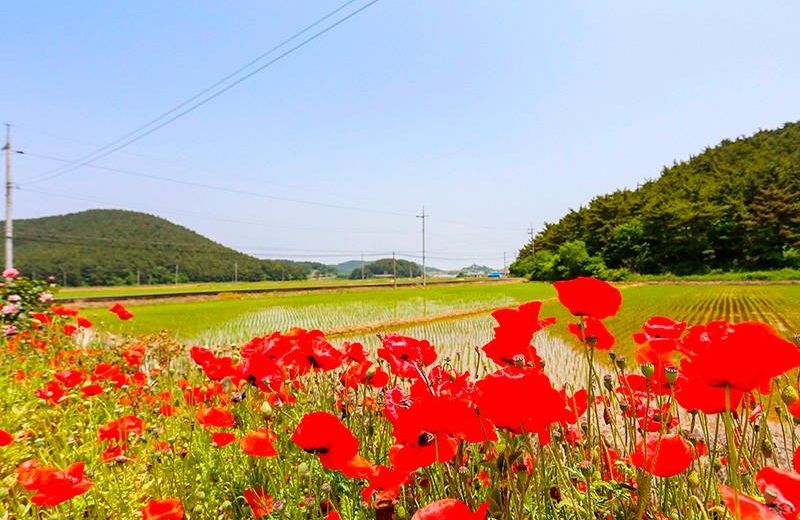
(110, 246)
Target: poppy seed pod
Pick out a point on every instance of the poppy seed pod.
(671, 374)
(620, 362)
(789, 395)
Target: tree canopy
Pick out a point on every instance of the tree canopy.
(733, 207)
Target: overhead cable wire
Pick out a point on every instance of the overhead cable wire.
(179, 111)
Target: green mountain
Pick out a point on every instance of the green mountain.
(733, 207)
(386, 267)
(111, 247)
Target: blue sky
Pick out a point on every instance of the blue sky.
(494, 115)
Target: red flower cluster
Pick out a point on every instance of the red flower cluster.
(52, 486)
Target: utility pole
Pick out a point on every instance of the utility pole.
(394, 270)
(138, 277)
(235, 272)
(530, 234)
(362, 265)
(9, 222)
(424, 274)
(504, 264)
(176, 274)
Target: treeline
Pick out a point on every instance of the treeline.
(734, 207)
(117, 247)
(387, 267)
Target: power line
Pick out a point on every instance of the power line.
(229, 190)
(139, 134)
(208, 217)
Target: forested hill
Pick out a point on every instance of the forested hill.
(735, 206)
(102, 247)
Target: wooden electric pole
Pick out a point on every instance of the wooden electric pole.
(9, 222)
(424, 274)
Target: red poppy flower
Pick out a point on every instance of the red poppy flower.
(167, 509)
(324, 434)
(84, 323)
(69, 378)
(784, 486)
(450, 509)
(121, 312)
(406, 356)
(90, 390)
(354, 351)
(742, 356)
(221, 439)
(588, 296)
(258, 443)
(364, 373)
(513, 335)
(215, 416)
(63, 311)
(69, 329)
(693, 392)
(661, 334)
(5, 438)
(52, 393)
(134, 355)
(521, 400)
(120, 429)
(663, 456)
(42, 318)
(385, 481)
(52, 485)
(215, 368)
(594, 334)
(260, 502)
(747, 507)
(114, 454)
(796, 460)
(428, 430)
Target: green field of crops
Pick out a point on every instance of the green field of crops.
(193, 288)
(416, 311)
(234, 319)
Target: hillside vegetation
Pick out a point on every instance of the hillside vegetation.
(113, 247)
(733, 207)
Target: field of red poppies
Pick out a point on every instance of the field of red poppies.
(698, 423)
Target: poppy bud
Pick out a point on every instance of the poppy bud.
(672, 375)
(789, 395)
(770, 495)
(620, 362)
(694, 479)
(766, 448)
(648, 369)
(608, 382)
(225, 505)
(302, 469)
(266, 409)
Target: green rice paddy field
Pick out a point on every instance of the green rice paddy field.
(455, 318)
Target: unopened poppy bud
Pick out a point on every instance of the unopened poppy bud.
(226, 505)
(671, 374)
(586, 467)
(770, 495)
(608, 382)
(648, 369)
(302, 469)
(766, 448)
(694, 479)
(371, 372)
(620, 362)
(789, 395)
(266, 409)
